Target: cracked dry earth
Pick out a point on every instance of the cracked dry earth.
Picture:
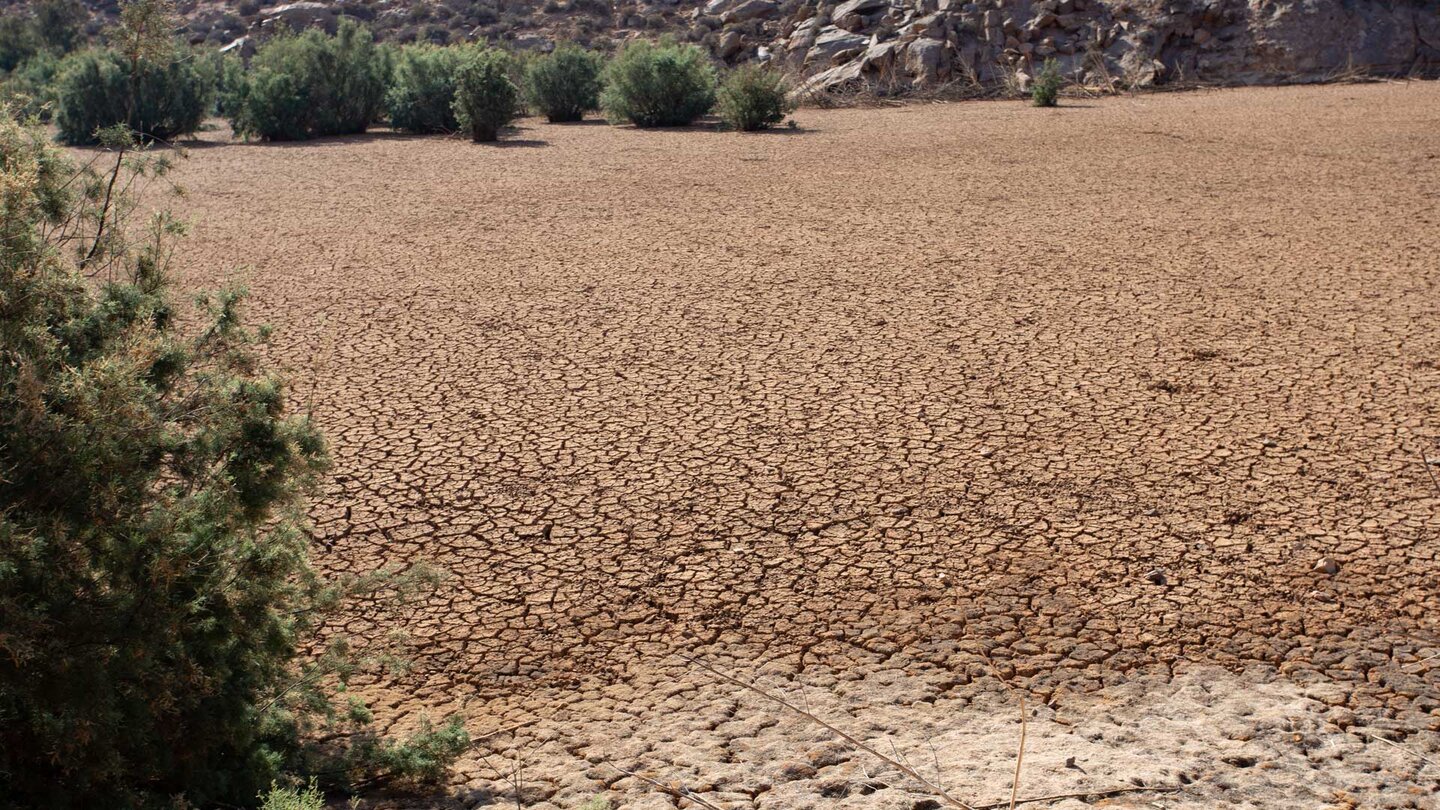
(908, 413)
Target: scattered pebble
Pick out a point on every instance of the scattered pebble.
(1327, 566)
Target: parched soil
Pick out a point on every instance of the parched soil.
(902, 404)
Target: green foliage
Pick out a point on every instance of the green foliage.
(658, 85)
(312, 85)
(30, 88)
(226, 74)
(155, 587)
(422, 89)
(160, 99)
(59, 24)
(485, 97)
(52, 27)
(753, 98)
(1046, 90)
(565, 84)
(291, 798)
(18, 40)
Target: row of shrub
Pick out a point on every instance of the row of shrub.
(315, 85)
(311, 84)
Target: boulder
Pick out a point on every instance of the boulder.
(828, 80)
(751, 10)
(925, 59)
(244, 47)
(300, 16)
(861, 7)
(834, 42)
(533, 42)
(729, 44)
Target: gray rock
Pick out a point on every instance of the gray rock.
(751, 10)
(925, 59)
(729, 44)
(859, 7)
(300, 16)
(831, 43)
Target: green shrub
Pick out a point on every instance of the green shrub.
(18, 40)
(94, 88)
(662, 85)
(753, 98)
(421, 97)
(30, 87)
(1046, 90)
(289, 798)
(156, 595)
(312, 85)
(565, 84)
(485, 98)
(226, 74)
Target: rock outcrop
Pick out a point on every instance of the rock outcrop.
(900, 45)
(916, 43)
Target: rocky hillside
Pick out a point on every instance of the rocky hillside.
(897, 45)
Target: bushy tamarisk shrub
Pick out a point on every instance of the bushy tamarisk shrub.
(1046, 90)
(155, 588)
(565, 84)
(226, 74)
(658, 85)
(159, 98)
(311, 85)
(146, 80)
(485, 98)
(52, 27)
(30, 87)
(421, 97)
(752, 98)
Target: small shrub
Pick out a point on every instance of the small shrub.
(753, 98)
(564, 85)
(1046, 90)
(485, 98)
(662, 85)
(312, 85)
(422, 89)
(286, 798)
(93, 91)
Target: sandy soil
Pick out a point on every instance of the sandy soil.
(897, 405)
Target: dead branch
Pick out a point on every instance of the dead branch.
(900, 766)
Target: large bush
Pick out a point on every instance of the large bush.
(155, 590)
(565, 84)
(311, 85)
(753, 98)
(485, 98)
(51, 27)
(421, 97)
(662, 85)
(159, 98)
(30, 87)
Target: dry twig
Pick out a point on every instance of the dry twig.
(1019, 756)
(1083, 794)
(679, 793)
(895, 763)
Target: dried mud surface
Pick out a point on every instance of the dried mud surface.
(920, 395)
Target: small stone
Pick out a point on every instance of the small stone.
(1327, 566)
(1156, 577)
